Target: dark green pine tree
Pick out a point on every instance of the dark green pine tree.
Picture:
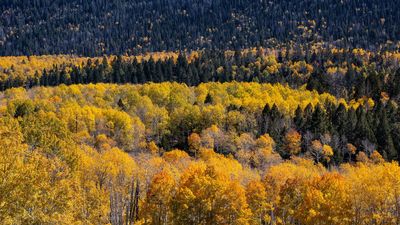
(169, 70)
(363, 130)
(330, 110)
(118, 72)
(315, 82)
(195, 80)
(395, 84)
(134, 74)
(392, 112)
(209, 99)
(319, 122)
(307, 115)
(189, 77)
(384, 135)
(257, 74)
(128, 73)
(265, 119)
(64, 79)
(151, 70)
(181, 68)
(96, 71)
(276, 124)
(298, 120)
(340, 120)
(89, 72)
(103, 70)
(45, 78)
(351, 124)
(360, 87)
(374, 84)
(159, 72)
(350, 80)
(55, 75)
(396, 137)
(140, 73)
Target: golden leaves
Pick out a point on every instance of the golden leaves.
(71, 154)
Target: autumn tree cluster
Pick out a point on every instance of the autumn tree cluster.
(217, 153)
(72, 161)
(224, 116)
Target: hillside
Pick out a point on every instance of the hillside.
(116, 27)
(166, 114)
(200, 112)
(106, 153)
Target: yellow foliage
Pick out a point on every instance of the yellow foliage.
(327, 151)
(175, 156)
(293, 142)
(70, 157)
(202, 193)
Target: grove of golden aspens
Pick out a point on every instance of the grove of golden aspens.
(92, 154)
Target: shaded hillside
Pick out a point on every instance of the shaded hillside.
(116, 27)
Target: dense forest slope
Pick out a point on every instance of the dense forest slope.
(121, 26)
(242, 112)
(167, 114)
(106, 154)
(344, 73)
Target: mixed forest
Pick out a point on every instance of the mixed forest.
(199, 112)
(231, 153)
